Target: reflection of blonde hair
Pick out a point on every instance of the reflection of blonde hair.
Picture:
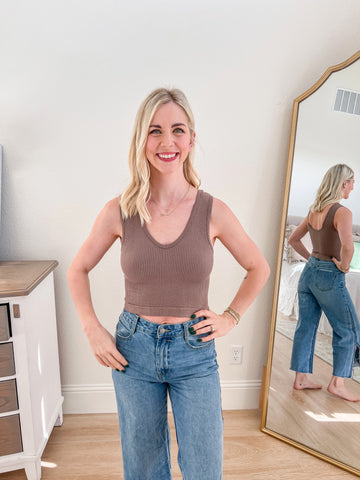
(331, 186)
(134, 198)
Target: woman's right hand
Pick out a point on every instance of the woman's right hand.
(105, 231)
(103, 345)
(339, 266)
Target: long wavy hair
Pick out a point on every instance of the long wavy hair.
(133, 200)
(330, 190)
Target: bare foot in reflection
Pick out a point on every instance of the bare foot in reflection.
(302, 382)
(337, 387)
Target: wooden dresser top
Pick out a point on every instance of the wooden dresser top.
(20, 278)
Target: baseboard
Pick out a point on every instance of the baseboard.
(96, 398)
(100, 398)
(240, 395)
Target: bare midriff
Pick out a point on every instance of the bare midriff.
(165, 320)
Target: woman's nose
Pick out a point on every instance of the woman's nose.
(167, 139)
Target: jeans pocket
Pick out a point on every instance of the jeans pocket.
(325, 279)
(126, 326)
(193, 341)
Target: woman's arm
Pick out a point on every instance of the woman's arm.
(106, 229)
(343, 224)
(226, 227)
(295, 239)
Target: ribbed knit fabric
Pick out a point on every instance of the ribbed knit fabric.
(172, 279)
(326, 240)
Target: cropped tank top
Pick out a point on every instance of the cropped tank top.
(326, 240)
(171, 279)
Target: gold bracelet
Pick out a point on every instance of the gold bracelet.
(234, 314)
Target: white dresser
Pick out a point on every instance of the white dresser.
(30, 391)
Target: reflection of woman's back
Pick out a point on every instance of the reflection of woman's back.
(324, 236)
(322, 284)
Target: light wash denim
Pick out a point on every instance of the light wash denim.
(167, 360)
(322, 288)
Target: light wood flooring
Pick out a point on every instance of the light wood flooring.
(314, 418)
(87, 447)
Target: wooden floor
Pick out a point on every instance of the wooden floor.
(87, 447)
(314, 418)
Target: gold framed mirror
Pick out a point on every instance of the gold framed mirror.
(325, 130)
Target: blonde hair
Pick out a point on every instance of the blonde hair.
(331, 186)
(133, 199)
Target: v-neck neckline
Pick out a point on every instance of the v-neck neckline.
(187, 225)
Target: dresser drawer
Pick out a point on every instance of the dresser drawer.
(7, 366)
(10, 435)
(5, 328)
(8, 396)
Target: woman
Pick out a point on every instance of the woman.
(164, 342)
(322, 283)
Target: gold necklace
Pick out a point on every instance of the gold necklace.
(167, 212)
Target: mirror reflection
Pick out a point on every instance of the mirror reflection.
(321, 287)
(327, 134)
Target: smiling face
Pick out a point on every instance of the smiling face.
(169, 138)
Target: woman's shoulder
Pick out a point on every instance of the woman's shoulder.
(217, 204)
(342, 211)
(221, 212)
(339, 206)
(343, 218)
(111, 215)
(112, 207)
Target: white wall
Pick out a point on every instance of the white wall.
(324, 138)
(72, 76)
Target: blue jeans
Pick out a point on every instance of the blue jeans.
(322, 288)
(167, 360)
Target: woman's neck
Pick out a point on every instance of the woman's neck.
(167, 189)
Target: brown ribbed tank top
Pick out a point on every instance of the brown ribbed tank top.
(326, 240)
(171, 279)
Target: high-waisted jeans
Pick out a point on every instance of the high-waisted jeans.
(322, 288)
(167, 360)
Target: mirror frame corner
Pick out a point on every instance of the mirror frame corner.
(267, 367)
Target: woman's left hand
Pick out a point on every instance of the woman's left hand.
(217, 325)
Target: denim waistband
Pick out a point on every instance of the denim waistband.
(164, 329)
(329, 264)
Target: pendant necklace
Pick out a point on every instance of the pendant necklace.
(166, 212)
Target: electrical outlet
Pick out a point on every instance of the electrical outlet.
(236, 354)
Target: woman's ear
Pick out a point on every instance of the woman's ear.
(192, 140)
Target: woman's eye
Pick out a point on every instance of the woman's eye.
(178, 130)
(154, 132)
